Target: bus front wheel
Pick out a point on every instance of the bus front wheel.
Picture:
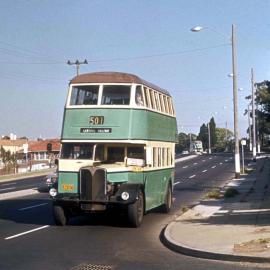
(59, 215)
(136, 211)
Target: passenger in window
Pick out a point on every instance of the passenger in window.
(139, 100)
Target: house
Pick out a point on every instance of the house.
(14, 146)
(38, 150)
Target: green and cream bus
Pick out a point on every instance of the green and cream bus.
(117, 147)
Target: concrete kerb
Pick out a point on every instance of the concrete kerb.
(169, 242)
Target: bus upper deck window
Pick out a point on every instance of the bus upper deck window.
(84, 95)
(116, 95)
(139, 96)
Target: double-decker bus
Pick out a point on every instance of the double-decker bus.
(117, 147)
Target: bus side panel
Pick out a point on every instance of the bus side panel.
(156, 187)
(143, 125)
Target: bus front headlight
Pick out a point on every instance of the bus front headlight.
(125, 196)
(53, 192)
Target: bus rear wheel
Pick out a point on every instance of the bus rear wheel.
(60, 217)
(136, 211)
(166, 207)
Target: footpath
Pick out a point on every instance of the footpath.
(235, 227)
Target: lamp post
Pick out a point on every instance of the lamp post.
(235, 98)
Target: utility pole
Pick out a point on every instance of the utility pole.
(235, 106)
(253, 116)
(77, 63)
(249, 129)
(209, 139)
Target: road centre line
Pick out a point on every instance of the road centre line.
(185, 167)
(210, 158)
(220, 163)
(213, 167)
(203, 160)
(2, 189)
(204, 171)
(176, 183)
(27, 232)
(226, 160)
(33, 206)
(195, 163)
(8, 184)
(192, 176)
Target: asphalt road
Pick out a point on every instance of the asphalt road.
(30, 240)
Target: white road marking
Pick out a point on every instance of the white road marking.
(226, 160)
(23, 233)
(185, 167)
(192, 176)
(195, 163)
(176, 183)
(231, 158)
(204, 171)
(220, 163)
(203, 160)
(2, 189)
(8, 184)
(210, 158)
(33, 206)
(213, 167)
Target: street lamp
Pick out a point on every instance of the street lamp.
(235, 98)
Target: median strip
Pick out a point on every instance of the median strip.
(20, 193)
(27, 232)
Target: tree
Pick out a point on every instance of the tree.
(213, 136)
(182, 142)
(203, 135)
(224, 139)
(262, 112)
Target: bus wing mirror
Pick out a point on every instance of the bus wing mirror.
(149, 156)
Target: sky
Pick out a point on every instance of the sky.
(149, 38)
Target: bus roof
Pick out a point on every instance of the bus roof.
(114, 77)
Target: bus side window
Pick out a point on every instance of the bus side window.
(139, 96)
(145, 96)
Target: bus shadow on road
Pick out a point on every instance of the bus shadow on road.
(27, 211)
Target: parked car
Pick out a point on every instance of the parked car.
(185, 152)
(51, 180)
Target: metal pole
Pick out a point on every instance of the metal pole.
(235, 106)
(209, 139)
(253, 116)
(243, 159)
(249, 130)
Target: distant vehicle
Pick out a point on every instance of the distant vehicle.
(118, 147)
(51, 180)
(196, 147)
(185, 152)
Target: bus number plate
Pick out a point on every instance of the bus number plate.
(96, 120)
(68, 187)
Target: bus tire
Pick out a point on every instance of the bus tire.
(166, 207)
(136, 211)
(60, 217)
